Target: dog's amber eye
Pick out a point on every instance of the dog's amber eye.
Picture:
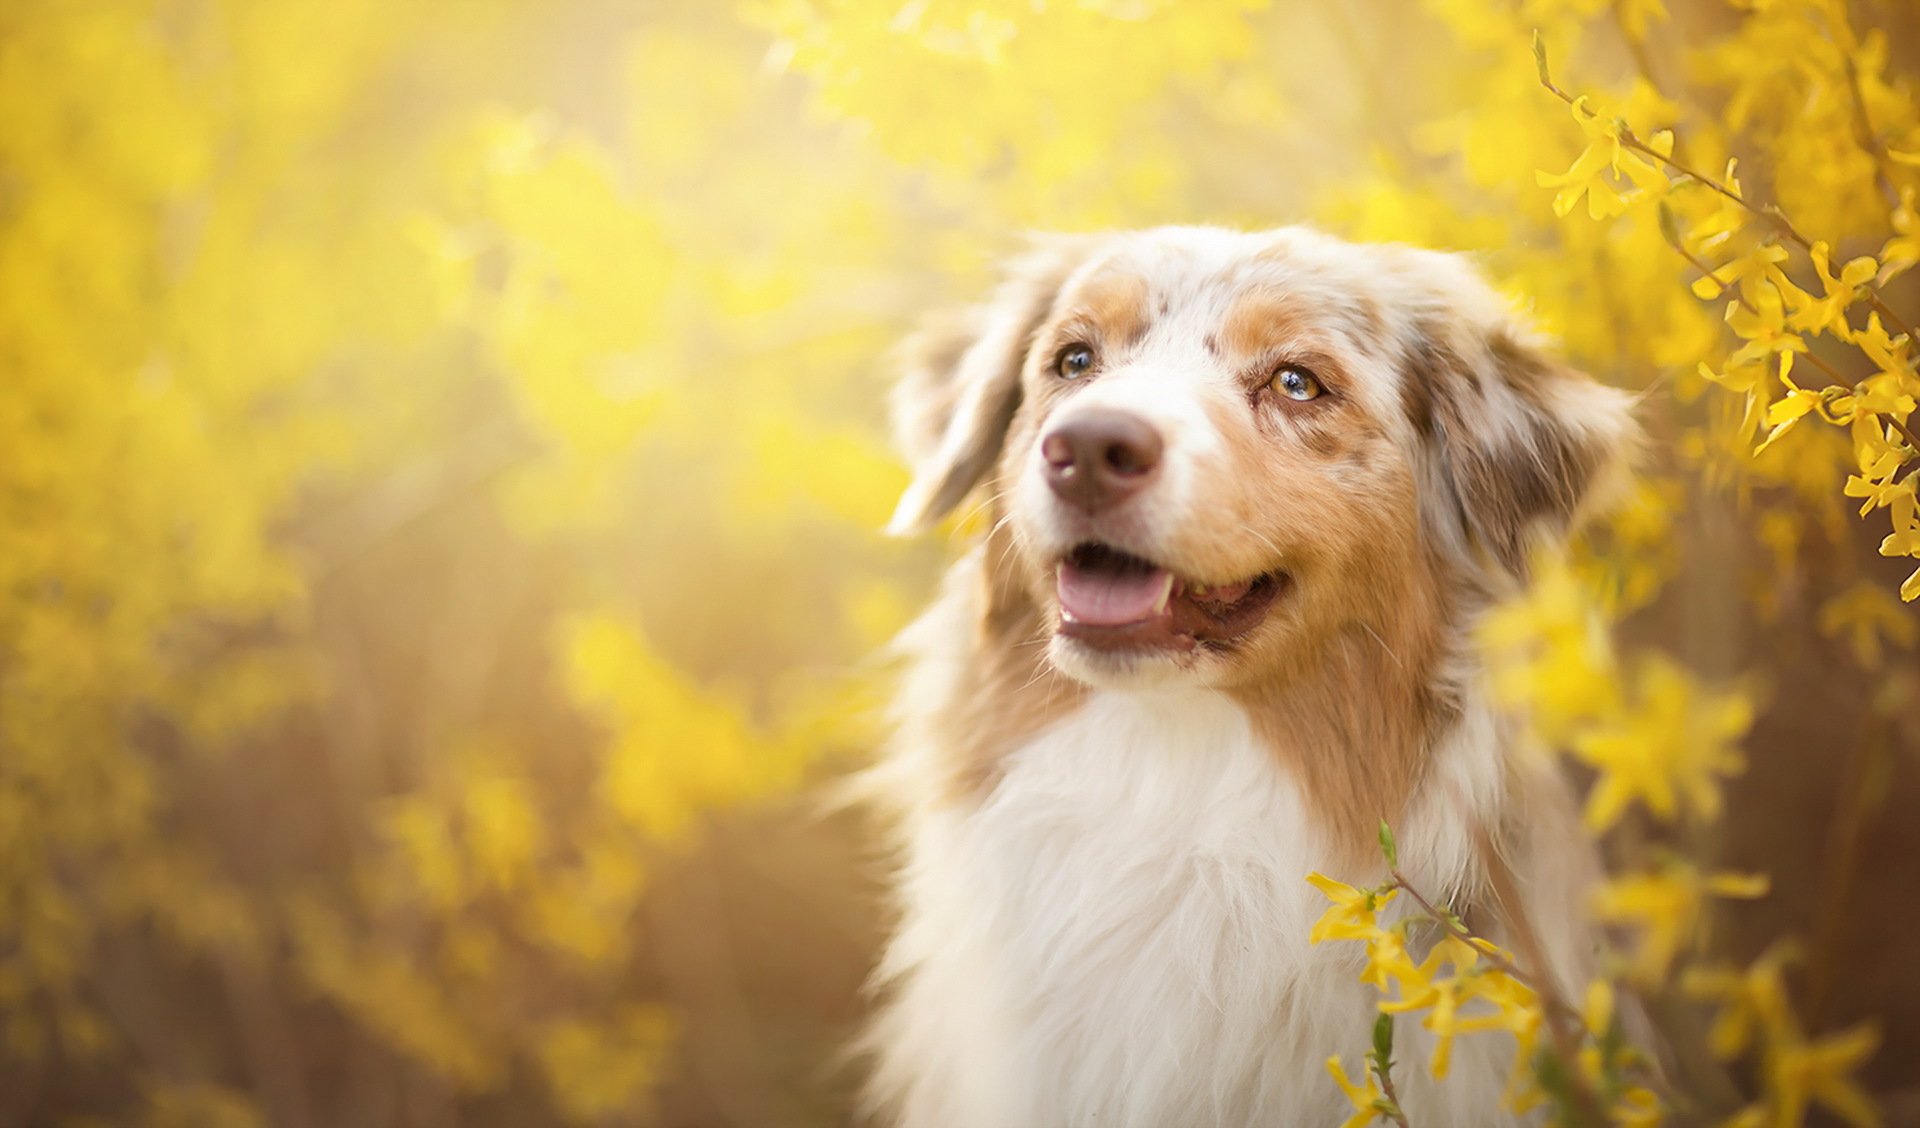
(1073, 361)
(1295, 383)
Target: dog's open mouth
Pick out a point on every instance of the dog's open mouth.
(1114, 600)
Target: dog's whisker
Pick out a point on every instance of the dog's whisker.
(1383, 645)
(992, 498)
(1042, 672)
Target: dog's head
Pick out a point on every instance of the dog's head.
(1209, 449)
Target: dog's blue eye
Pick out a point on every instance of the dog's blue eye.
(1073, 361)
(1296, 383)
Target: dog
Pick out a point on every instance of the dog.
(1244, 496)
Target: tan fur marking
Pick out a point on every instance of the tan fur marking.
(1113, 307)
(1350, 709)
(1354, 721)
(1370, 322)
(1259, 322)
(1010, 692)
(1325, 438)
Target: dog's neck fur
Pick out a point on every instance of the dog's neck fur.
(1106, 907)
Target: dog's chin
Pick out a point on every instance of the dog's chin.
(1122, 621)
(1134, 669)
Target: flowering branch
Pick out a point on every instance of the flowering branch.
(1769, 212)
(1565, 1025)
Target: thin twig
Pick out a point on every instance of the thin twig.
(1397, 1115)
(1833, 373)
(1902, 428)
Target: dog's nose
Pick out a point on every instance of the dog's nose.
(1098, 459)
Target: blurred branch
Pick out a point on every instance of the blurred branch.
(1636, 46)
(1862, 788)
(692, 942)
(410, 496)
(1373, 92)
(272, 1057)
(1864, 133)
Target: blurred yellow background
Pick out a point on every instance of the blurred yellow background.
(442, 447)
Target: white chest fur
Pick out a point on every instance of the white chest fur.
(1117, 936)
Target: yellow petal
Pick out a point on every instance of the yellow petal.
(1746, 886)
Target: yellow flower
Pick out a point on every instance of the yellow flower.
(1752, 273)
(1902, 251)
(1441, 997)
(1828, 313)
(1518, 1011)
(1548, 653)
(1884, 393)
(1762, 321)
(1352, 914)
(1636, 1107)
(1667, 750)
(1786, 412)
(1865, 614)
(1605, 153)
(1750, 1000)
(1364, 1095)
(1800, 1073)
(1876, 483)
(1905, 538)
(1665, 907)
(1387, 960)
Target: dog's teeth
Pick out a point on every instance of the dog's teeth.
(1198, 590)
(1166, 593)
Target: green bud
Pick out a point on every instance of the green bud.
(1669, 227)
(1383, 1042)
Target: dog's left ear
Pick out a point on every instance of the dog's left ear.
(961, 382)
(1522, 443)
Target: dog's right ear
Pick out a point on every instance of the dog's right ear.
(961, 387)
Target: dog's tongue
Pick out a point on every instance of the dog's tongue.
(1113, 596)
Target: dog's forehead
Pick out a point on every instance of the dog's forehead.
(1200, 277)
(1245, 297)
